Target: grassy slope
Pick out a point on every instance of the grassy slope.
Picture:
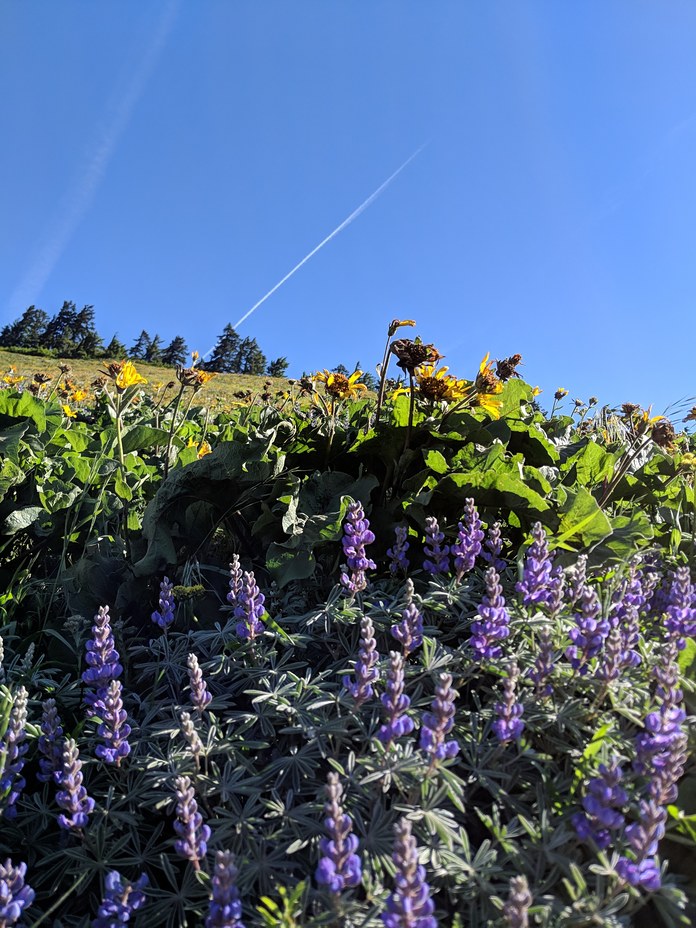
(217, 393)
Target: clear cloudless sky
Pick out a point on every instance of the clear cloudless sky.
(169, 162)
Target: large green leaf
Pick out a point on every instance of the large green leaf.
(10, 441)
(141, 437)
(583, 523)
(15, 405)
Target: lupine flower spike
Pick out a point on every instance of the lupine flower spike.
(509, 726)
(492, 621)
(366, 670)
(541, 672)
(356, 534)
(602, 804)
(395, 703)
(188, 730)
(249, 609)
(121, 899)
(590, 632)
(236, 577)
(50, 744)
(200, 697)
(164, 616)
(438, 723)
(72, 797)
(339, 866)
(410, 905)
(14, 747)
(409, 631)
(113, 728)
(15, 894)
(225, 906)
(516, 909)
(101, 656)
(469, 541)
(492, 548)
(681, 614)
(192, 842)
(437, 555)
(536, 585)
(398, 560)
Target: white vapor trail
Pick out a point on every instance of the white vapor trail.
(346, 222)
(79, 199)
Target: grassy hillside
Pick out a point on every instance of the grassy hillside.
(219, 393)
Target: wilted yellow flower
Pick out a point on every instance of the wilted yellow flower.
(67, 411)
(195, 356)
(536, 391)
(688, 460)
(193, 377)
(560, 393)
(340, 386)
(204, 449)
(12, 379)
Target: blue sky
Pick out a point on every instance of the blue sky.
(170, 162)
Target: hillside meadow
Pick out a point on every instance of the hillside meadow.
(320, 656)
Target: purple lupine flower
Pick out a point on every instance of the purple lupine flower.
(395, 702)
(409, 631)
(72, 797)
(15, 894)
(509, 726)
(602, 804)
(121, 899)
(613, 659)
(469, 540)
(493, 546)
(339, 866)
(437, 554)
(544, 663)
(249, 609)
(654, 744)
(192, 842)
(200, 696)
(536, 584)
(440, 722)
(516, 909)
(50, 744)
(410, 905)
(356, 534)
(188, 730)
(680, 618)
(225, 906)
(398, 559)
(493, 621)
(113, 728)
(164, 615)
(13, 747)
(236, 577)
(667, 674)
(578, 579)
(366, 670)
(101, 656)
(643, 837)
(590, 632)
(627, 617)
(628, 597)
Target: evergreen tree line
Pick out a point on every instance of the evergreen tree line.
(71, 333)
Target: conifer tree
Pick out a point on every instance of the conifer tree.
(176, 352)
(278, 367)
(140, 346)
(25, 332)
(225, 356)
(115, 349)
(153, 352)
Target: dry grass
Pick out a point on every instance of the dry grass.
(218, 393)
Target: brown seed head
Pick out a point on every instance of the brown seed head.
(506, 368)
(412, 354)
(663, 434)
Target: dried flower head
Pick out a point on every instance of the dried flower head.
(507, 368)
(411, 354)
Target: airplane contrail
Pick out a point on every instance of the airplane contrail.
(346, 222)
(81, 196)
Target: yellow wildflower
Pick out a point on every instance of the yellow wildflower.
(340, 386)
(204, 449)
(128, 376)
(536, 391)
(399, 323)
(12, 379)
(490, 403)
(688, 460)
(486, 381)
(67, 411)
(436, 384)
(560, 393)
(78, 396)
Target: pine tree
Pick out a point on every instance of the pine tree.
(176, 352)
(255, 361)
(224, 358)
(153, 352)
(115, 349)
(25, 332)
(59, 334)
(140, 346)
(278, 368)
